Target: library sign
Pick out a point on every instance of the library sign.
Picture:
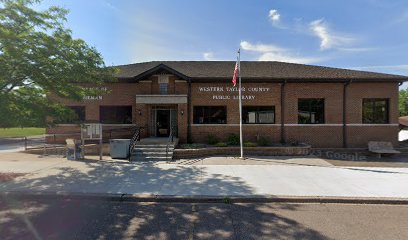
(232, 93)
(99, 89)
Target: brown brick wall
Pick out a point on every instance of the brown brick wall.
(318, 136)
(359, 136)
(182, 123)
(331, 92)
(358, 91)
(249, 132)
(269, 98)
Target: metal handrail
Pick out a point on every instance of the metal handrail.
(135, 138)
(170, 139)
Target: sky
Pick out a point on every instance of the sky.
(370, 35)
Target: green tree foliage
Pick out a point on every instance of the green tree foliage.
(39, 58)
(403, 102)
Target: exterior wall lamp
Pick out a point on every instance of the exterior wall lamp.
(182, 112)
(139, 111)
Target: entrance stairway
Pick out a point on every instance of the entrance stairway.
(153, 149)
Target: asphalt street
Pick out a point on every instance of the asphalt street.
(72, 218)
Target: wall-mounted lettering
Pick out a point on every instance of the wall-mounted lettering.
(231, 93)
(103, 89)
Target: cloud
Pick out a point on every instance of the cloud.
(270, 52)
(260, 47)
(109, 5)
(357, 49)
(386, 68)
(274, 16)
(328, 38)
(402, 18)
(209, 56)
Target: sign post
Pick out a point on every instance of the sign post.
(240, 104)
(91, 131)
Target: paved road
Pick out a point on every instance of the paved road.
(65, 218)
(17, 144)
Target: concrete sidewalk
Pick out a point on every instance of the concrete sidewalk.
(294, 179)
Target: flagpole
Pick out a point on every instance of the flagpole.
(240, 104)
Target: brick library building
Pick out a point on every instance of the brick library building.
(283, 102)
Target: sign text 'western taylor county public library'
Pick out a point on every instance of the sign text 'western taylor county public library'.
(223, 92)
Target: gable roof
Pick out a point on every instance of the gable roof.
(250, 70)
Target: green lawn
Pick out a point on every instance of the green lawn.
(21, 132)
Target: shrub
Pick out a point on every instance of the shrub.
(221, 144)
(192, 146)
(249, 144)
(263, 141)
(296, 143)
(212, 139)
(233, 139)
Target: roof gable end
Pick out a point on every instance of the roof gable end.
(159, 68)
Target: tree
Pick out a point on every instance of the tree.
(403, 102)
(39, 58)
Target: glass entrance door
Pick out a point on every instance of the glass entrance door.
(162, 120)
(163, 123)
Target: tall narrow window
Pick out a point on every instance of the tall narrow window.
(258, 114)
(163, 81)
(375, 110)
(210, 115)
(163, 88)
(311, 111)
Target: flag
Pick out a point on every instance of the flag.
(236, 71)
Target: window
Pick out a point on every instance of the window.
(311, 111)
(163, 88)
(116, 114)
(210, 115)
(163, 81)
(258, 114)
(375, 110)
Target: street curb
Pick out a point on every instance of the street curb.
(122, 197)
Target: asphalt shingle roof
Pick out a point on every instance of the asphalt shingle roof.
(255, 70)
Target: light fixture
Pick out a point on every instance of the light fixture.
(140, 112)
(182, 112)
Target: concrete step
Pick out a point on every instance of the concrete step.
(153, 148)
(152, 154)
(156, 140)
(152, 145)
(148, 158)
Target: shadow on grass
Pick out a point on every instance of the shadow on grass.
(84, 219)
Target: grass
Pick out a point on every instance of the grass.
(21, 132)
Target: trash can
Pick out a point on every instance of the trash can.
(119, 148)
(73, 149)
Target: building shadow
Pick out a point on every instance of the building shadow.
(140, 178)
(77, 218)
(84, 219)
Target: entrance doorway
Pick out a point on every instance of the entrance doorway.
(163, 119)
(163, 123)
